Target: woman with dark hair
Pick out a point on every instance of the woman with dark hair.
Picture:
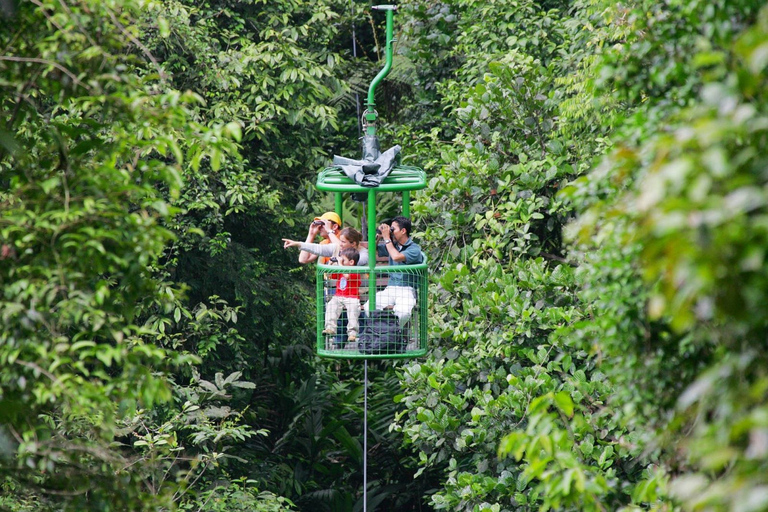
(348, 237)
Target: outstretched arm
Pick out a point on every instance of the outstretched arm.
(314, 249)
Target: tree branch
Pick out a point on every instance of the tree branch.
(138, 43)
(50, 63)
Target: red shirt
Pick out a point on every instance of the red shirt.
(347, 285)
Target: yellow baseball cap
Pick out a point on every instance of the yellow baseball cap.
(331, 216)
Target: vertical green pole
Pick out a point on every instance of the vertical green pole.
(339, 210)
(320, 297)
(407, 204)
(371, 249)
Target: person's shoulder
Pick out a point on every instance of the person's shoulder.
(412, 246)
(412, 253)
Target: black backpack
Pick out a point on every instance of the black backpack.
(380, 333)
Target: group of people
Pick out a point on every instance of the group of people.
(342, 247)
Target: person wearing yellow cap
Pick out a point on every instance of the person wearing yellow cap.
(330, 216)
(325, 225)
(332, 244)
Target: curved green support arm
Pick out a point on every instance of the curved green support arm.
(370, 112)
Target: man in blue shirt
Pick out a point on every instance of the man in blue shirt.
(400, 293)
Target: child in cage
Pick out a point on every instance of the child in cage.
(347, 296)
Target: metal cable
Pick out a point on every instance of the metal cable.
(365, 439)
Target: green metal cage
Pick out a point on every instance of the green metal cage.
(383, 331)
(409, 338)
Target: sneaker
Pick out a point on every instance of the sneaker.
(329, 331)
(352, 338)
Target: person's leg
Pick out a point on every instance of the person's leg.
(383, 299)
(332, 312)
(352, 305)
(405, 301)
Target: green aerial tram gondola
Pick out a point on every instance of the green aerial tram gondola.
(409, 338)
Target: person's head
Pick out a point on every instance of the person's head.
(400, 228)
(349, 257)
(332, 217)
(350, 237)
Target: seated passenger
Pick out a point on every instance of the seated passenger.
(347, 296)
(400, 293)
(326, 226)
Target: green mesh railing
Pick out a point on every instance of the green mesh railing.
(395, 329)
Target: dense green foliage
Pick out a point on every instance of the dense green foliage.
(90, 157)
(606, 369)
(595, 221)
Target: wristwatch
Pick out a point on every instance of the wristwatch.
(387, 242)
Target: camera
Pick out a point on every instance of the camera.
(317, 223)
